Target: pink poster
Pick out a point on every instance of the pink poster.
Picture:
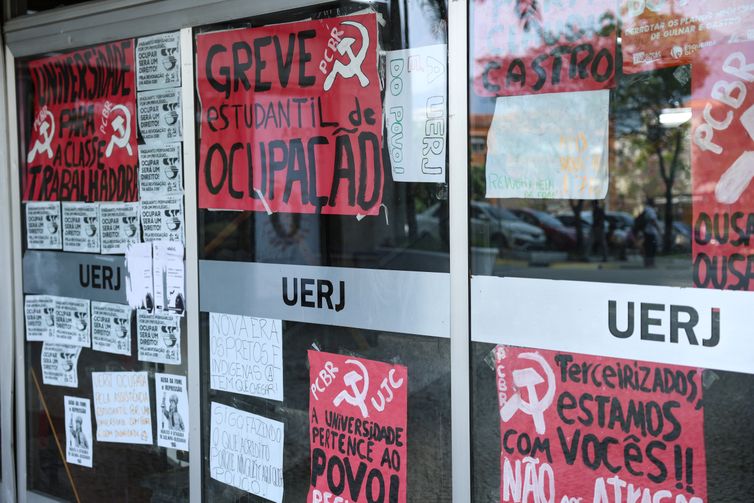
(357, 420)
(578, 428)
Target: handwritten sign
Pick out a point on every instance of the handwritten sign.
(587, 428)
(661, 34)
(119, 224)
(246, 451)
(722, 167)
(111, 328)
(121, 407)
(79, 441)
(549, 146)
(39, 313)
(173, 418)
(83, 133)
(159, 337)
(160, 169)
(543, 47)
(296, 128)
(158, 61)
(357, 421)
(416, 111)
(81, 229)
(246, 355)
(60, 364)
(43, 226)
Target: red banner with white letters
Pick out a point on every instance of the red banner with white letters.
(578, 428)
(357, 421)
(83, 133)
(291, 118)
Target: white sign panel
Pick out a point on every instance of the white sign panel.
(119, 223)
(549, 146)
(43, 226)
(169, 277)
(79, 440)
(173, 418)
(160, 169)
(230, 461)
(160, 116)
(158, 61)
(39, 311)
(60, 364)
(246, 355)
(111, 328)
(162, 218)
(72, 322)
(416, 111)
(695, 327)
(121, 407)
(159, 337)
(139, 289)
(81, 232)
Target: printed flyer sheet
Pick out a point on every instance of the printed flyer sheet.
(43, 226)
(159, 337)
(173, 418)
(158, 61)
(119, 223)
(81, 229)
(160, 169)
(111, 328)
(60, 364)
(79, 441)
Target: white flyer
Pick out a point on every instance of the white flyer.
(549, 146)
(246, 355)
(169, 277)
(60, 364)
(416, 113)
(159, 337)
(139, 289)
(160, 115)
(43, 226)
(119, 224)
(79, 440)
(158, 61)
(173, 418)
(244, 429)
(160, 169)
(39, 311)
(81, 231)
(162, 218)
(72, 322)
(122, 408)
(111, 328)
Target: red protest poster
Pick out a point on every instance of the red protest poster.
(578, 428)
(357, 420)
(291, 118)
(83, 134)
(665, 33)
(722, 166)
(548, 46)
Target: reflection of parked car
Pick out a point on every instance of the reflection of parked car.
(559, 237)
(620, 224)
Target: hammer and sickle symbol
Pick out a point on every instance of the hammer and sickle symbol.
(353, 67)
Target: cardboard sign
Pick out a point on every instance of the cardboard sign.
(357, 420)
(660, 34)
(72, 322)
(587, 428)
(416, 113)
(39, 313)
(158, 61)
(549, 146)
(60, 364)
(173, 419)
(291, 118)
(81, 229)
(121, 407)
(722, 166)
(111, 328)
(246, 355)
(246, 451)
(79, 441)
(159, 337)
(43, 226)
(162, 218)
(168, 271)
(139, 287)
(160, 169)
(543, 47)
(83, 135)
(119, 224)
(160, 116)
